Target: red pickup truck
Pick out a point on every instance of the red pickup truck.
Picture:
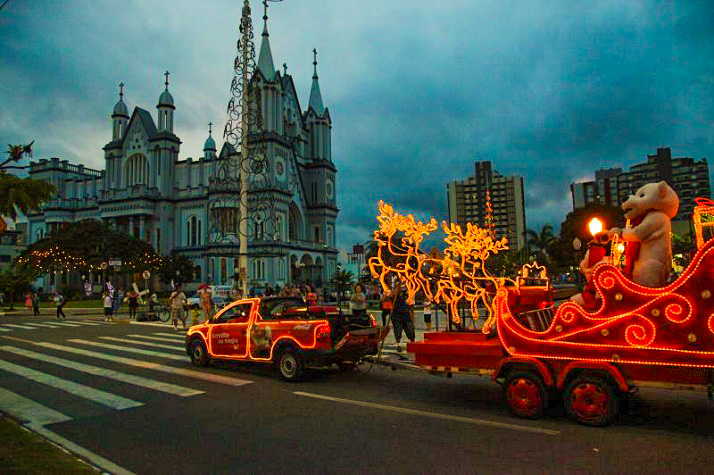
(286, 332)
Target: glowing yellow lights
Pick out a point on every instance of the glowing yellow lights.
(595, 226)
(703, 218)
(461, 275)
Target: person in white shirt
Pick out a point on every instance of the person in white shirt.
(177, 302)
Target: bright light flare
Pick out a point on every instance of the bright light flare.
(595, 226)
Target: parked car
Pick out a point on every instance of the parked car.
(284, 331)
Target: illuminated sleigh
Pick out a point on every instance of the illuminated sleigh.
(672, 326)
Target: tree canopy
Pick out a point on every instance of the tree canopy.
(24, 194)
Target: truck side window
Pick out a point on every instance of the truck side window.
(237, 314)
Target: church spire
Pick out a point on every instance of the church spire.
(315, 96)
(265, 60)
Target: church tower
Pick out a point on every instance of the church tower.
(320, 169)
(165, 145)
(120, 116)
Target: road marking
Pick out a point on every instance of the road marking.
(151, 324)
(157, 338)
(28, 410)
(41, 325)
(91, 324)
(210, 377)
(130, 350)
(106, 373)
(101, 397)
(145, 343)
(5, 330)
(23, 327)
(172, 335)
(63, 324)
(435, 415)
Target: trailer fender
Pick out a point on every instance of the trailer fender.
(521, 361)
(613, 372)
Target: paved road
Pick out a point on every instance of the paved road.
(125, 396)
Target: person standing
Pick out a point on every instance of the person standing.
(59, 302)
(402, 316)
(177, 302)
(206, 302)
(133, 298)
(116, 301)
(36, 304)
(358, 302)
(428, 307)
(108, 305)
(385, 303)
(28, 302)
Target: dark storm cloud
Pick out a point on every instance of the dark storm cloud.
(417, 92)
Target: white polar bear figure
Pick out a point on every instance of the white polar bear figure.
(650, 211)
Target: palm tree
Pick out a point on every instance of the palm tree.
(538, 242)
(16, 193)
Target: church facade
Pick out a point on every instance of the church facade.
(147, 191)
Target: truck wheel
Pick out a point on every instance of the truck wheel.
(525, 394)
(199, 355)
(591, 400)
(291, 365)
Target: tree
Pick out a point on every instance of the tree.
(539, 242)
(16, 193)
(178, 268)
(16, 281)
(343, 280)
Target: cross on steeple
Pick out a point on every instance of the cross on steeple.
(265, 10)
(167, 80)
(121, 91)
(209, 127)
(285, 69)
(314, 61)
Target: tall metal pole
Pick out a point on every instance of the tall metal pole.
(243, 223)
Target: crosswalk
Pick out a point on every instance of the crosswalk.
(99, 373)
(25, 325)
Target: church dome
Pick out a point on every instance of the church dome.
(166, 99)
(120, 109)
(210, 144)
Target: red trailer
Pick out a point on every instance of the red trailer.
(636, 337)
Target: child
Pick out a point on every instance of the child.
(427, 315)
(195, 315)
(108, 304)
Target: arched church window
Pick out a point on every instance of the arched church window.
(137, 170)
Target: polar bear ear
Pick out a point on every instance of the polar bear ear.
(662, 187)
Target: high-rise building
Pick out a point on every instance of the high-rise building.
(468, 203)
(151, 194)
(688, 177)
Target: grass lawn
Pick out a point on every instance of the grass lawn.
(22, 451)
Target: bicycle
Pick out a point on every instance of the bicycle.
(153, 313)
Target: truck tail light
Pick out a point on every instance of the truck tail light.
(324, 332)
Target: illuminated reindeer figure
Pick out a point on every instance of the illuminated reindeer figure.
(462, 273)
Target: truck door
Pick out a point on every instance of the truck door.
(229, 330)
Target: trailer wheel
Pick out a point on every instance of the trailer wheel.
(525, 394)
(591, 400)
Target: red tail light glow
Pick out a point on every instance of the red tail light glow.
(324, 332)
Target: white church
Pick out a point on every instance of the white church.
(149, 192)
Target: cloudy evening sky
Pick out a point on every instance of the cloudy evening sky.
(417, 89)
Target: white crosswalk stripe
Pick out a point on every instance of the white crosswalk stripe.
(86, 392)
(172, 335)
(178, 346)
(42, 325)
(5, 330)
(158, 338)
(64, 324)
(89, 324)
(129, 350)
(27, 410)
(202, 375)
(21, 327)
(107, 373)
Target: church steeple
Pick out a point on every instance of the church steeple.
(315, 96)
(265, 60)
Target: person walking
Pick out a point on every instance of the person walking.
(385, 304)
(28, 302)
(36, 304)
(206, 301)
(177, 302)
(117, 299)
(133, 298)
(59, 302)
(428, 307)
(402, 316)
(358, 302)
(108, 306)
